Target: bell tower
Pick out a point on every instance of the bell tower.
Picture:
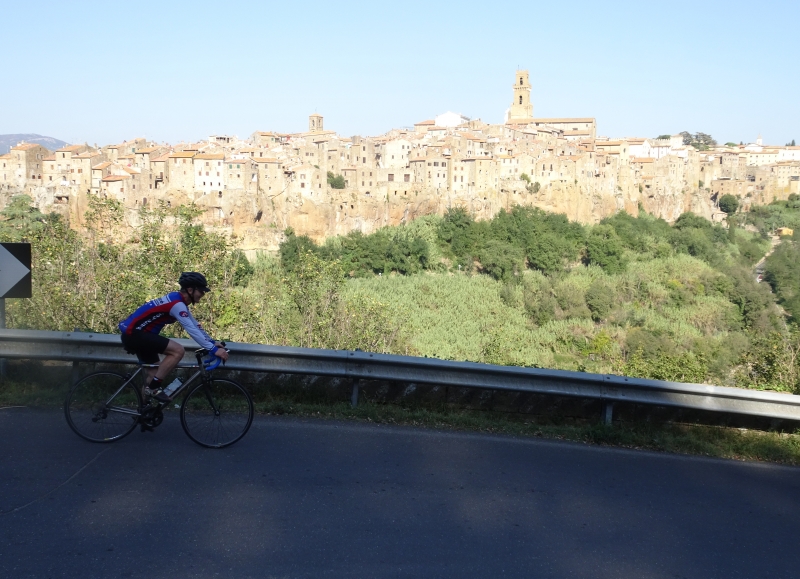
(315, 123)
(521, 106)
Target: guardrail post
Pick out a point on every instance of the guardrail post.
(75, 374)
(608, 412)
(2, 327)
(354, 395)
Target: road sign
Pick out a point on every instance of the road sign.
(15, 270)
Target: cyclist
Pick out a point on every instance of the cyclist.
(140, 331)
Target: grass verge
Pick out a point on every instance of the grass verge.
(712, 441)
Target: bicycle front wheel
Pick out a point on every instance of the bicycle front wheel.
(103, 407)
(217, 413)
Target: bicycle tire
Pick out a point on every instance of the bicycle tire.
(221, 423)
(93, 415)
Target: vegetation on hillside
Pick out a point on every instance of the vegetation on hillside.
(91, 281)
(631, 294)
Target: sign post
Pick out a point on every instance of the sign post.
(15, 280)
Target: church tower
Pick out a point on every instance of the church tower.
(315, 123)
(521, 107)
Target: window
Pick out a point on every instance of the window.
(406, 177)
(520, 99)
(520, 81)
(391, 177)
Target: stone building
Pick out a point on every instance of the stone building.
(181, 171)
(209, 174)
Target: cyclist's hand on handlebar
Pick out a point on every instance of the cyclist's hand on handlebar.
(222, 353)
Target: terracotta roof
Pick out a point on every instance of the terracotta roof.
(110, 178)
(50, 158)
(267, 160)
(102, 166)
(86, 155)
(183, 154)
(131, 170)
(210, 156)
(565, 120)
(431, 122)
(24, 146)
(148, 150)
(642, 160)
(160, 158)
(69, 148)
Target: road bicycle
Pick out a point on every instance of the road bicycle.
(106, 406)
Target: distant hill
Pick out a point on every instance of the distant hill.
(8, 141)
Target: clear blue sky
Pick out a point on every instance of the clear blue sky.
(106, 71)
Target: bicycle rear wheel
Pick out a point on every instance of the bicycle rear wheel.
(217, 413)
(101, 407)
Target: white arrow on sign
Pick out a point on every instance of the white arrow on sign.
(11, 271)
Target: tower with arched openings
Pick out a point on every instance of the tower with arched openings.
(521, 106)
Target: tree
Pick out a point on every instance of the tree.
(791, 144)
(730, 144)
(600, 298)
(20, 219)
(336, 181)
(501, 260)
(700, 141)
(728, 203)
(294, 247)
(525, 177)
(661, 137)
(604, 248)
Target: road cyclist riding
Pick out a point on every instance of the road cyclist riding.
(214, 412)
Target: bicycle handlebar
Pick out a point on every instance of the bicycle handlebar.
(210, 362)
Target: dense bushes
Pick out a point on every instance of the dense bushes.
(92, 281)
(632, 294)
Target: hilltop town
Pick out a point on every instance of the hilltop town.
(322, 184)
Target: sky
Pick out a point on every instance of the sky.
(103, 72)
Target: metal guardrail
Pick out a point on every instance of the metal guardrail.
(105, 348)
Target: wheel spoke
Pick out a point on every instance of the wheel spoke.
(209, 428)
(100, 409)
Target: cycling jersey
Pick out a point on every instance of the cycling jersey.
(157, 313)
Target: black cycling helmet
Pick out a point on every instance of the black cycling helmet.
(193, 279)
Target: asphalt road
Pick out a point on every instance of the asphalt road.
(305, 498)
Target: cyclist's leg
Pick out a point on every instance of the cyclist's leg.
(147, 346)
(173, 354)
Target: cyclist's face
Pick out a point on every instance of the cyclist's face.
(197, 294)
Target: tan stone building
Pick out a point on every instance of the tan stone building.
(26, 161)
(181, 171)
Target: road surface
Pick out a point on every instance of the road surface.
(312, 498)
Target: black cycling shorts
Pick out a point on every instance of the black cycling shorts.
(146, 345)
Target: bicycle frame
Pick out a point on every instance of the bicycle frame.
(203, 370)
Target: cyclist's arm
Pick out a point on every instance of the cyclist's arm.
(181, 313)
